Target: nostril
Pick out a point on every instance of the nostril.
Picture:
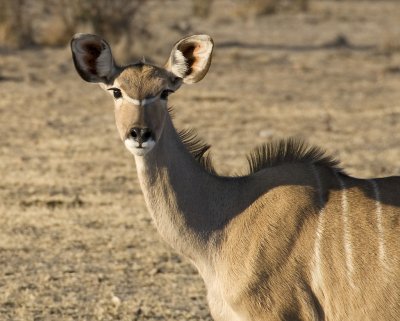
(140, 135)
(146, 134)
(135, 133)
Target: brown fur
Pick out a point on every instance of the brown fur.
(141, 81)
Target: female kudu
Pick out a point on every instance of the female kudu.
(295, 239)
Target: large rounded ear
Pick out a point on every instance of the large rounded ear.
(92, 58)
(190, 58)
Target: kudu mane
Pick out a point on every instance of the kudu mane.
(270, 154)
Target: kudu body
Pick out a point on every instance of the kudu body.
(295, 239)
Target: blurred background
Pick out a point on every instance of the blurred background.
(76, 241)
(50, 23)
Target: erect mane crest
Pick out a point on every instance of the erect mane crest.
(290, 150)
(274, 153)
(197, 148)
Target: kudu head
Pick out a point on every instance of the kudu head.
(140, 90)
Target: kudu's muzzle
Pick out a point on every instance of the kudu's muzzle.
(141, 135)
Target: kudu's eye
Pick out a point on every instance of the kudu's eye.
(116, 92)
(165, 93)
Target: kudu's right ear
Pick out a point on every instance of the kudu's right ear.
(92, 58)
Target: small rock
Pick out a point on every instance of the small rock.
(266, 133)
(116, 301)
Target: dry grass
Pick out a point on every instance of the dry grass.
(51, 22)
(267, 7)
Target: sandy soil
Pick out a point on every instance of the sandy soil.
(76, 241)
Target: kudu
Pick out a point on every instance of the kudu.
(294, 239)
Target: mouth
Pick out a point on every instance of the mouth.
(139, 148)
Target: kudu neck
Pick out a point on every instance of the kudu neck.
(171, 155)
(185, 201)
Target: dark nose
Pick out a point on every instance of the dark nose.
(141, 135)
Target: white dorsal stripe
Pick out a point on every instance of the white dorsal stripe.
(142, 102)
(317, 272)
(381, 235)
(346, 232)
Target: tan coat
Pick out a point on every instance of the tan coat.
(294, 239)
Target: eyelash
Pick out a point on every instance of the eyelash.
(164, 94)
(116, 92)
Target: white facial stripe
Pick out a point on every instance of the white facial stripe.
(137, 102)
(142, 102)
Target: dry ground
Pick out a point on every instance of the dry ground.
(76, 242)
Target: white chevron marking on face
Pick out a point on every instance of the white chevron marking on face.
(142, 102)
(137, 102)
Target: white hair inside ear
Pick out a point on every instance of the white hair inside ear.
(190, 58)
(180, 66)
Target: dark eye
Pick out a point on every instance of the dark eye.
(116, 92)
(165, 93)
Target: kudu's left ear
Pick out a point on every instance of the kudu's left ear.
(92, 58)
(190, 58)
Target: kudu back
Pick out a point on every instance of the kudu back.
(295, 238)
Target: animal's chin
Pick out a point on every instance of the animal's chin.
(137, 150)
